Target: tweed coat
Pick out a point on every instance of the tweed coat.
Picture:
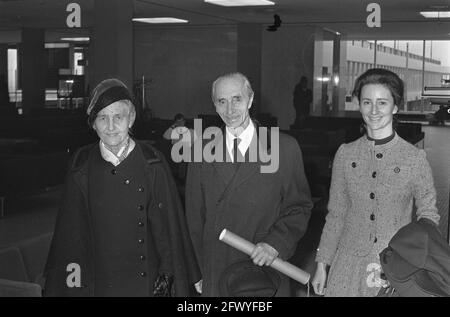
(371, 197)
(261, 207)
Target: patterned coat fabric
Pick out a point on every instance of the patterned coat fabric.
(371, 197)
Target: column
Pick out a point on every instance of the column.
(249, 45)
(340, 71)
(4, 92)
(4, 60)
(111, 45)
(32, 68)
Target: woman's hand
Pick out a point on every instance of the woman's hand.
(199, 286)
(320, 278)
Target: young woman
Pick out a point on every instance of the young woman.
(374, 182)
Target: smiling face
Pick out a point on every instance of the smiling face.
(232, 101)
(113, 123)
(377, 107)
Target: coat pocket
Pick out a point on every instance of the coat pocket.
(396, 175)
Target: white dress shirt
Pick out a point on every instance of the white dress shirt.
(111, 157)
(246, 138)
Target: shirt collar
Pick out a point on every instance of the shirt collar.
(246, 138)
(382, 141)
(109, 156)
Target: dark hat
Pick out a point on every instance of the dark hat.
(417, 261)
(104, 94)
(245, 279)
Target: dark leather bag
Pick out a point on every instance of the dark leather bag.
(163, 286)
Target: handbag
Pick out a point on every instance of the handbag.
(163, 286)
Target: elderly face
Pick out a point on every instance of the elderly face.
(377, 107)
(232, 101)
(113, 123)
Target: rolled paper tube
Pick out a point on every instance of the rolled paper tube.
(278, 264)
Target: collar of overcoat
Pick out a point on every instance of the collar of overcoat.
(226, 169)
(80, 163)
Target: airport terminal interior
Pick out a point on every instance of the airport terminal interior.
(168, 52)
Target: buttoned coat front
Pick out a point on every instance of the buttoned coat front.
(260, 207)
(371, 197)
(73, 239)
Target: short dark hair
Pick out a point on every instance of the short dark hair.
(178, 117)
(384, 77)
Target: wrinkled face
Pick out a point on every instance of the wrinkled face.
(377, 106)
(113, 122)
(232, 101)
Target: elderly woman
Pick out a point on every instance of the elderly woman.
(375, 180)
(120, 221)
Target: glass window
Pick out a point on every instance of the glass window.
(12, 74)
(406, 59)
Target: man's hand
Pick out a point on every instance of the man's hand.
(263, 254)
(198, 286)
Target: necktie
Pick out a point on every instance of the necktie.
(237, 156)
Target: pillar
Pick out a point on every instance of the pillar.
(111, 48)
(33, 69)
(249, 46)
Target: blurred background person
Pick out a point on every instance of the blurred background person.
(302, 101)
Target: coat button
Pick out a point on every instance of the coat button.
(114, 171)
(127, 182)
(141, 241)
(140, 189)
(142, 274)
(379, 155)
(142, 257)
(140, 207)
(372, 217)
(372, 195)
(374, 174)
(140, 224)
(397, 170)
(353, 164)
(160, 205)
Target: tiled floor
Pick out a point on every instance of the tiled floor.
(35, 215)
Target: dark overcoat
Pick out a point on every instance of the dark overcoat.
(260, 207)
(73, 237)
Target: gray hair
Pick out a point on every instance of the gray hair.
(131, 107)
(235, 75)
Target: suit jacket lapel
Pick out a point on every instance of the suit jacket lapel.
(246, 169)
(233, 178)
(225, 169)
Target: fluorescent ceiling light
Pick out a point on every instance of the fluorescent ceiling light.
(241, 3)
(159, 20)
(57, 45)
(75, 39)
(435, 14)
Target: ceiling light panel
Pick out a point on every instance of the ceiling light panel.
(240, 3)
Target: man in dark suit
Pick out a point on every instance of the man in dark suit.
(270, 209)
(302, 101)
